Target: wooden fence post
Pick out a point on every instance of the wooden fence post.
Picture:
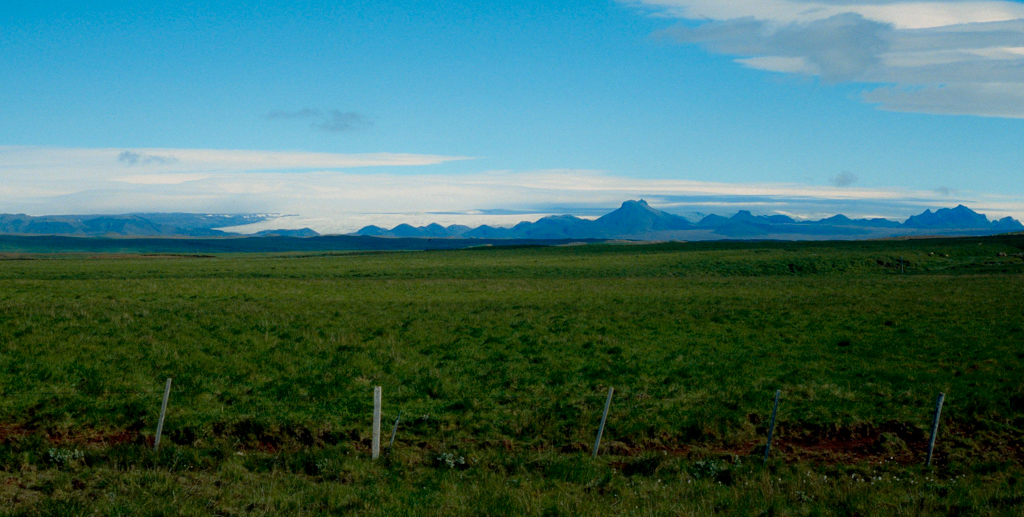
(163, 414)
(375, 448)
(935, 427)
(771, 427)
(604, 417)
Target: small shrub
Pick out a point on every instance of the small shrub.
(705, 469)
(450, 460)
(64, 458)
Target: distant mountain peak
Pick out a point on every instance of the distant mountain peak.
(959, 217)
(637, 217)
(744, 215)
(838, 219)
(637, 207)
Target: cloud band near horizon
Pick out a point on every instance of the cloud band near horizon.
(334, 193)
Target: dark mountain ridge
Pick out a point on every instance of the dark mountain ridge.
(136, 225)
(959, 217)
(634, 220)
(638, 220)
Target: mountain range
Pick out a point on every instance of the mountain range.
(137, 225)
(637, 220)
(634, 220)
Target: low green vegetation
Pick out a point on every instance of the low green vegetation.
(499, 360)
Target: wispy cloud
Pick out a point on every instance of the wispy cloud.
(844, 179)
(961, 57)
(305, 113)
(134, 158)
(329, 121)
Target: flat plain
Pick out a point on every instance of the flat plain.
(499, 360)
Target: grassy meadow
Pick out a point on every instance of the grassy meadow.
(499, 360)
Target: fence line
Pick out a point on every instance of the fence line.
(378, 413)
(88, 394)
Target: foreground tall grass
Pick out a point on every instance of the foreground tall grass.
(502, 357)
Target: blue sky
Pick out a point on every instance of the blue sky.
(352, 113)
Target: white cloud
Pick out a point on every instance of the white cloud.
(93, 162)
(991, 99)
(160, 179)
(960, 57)
(785, 64)
(903, 15)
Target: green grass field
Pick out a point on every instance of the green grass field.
(499, 361)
